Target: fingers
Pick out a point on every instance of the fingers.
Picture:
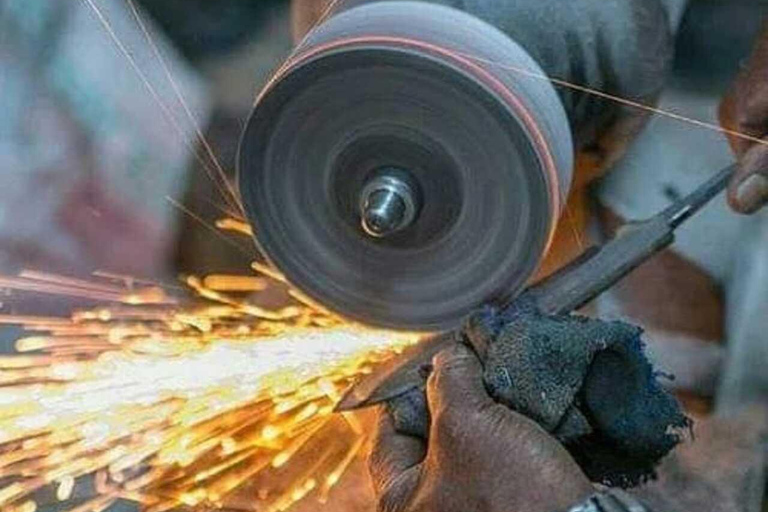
(456, 384)
(394, 462)
(748, 190)
(728, 112)
(744, 112)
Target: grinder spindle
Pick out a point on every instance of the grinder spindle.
(389, 203)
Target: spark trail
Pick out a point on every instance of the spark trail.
(170, 403)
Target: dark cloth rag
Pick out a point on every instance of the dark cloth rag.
(586, 381)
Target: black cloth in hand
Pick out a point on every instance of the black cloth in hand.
(586, 381)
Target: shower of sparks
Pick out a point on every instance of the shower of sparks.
(172, 403)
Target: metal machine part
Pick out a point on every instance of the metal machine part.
(398, 177)
(389, 203)
(596, 270)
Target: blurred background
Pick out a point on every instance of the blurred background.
(102, 168)
(96, 146)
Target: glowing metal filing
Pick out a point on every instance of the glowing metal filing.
(174, 405)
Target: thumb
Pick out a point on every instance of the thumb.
(456, 383)
(748, 190)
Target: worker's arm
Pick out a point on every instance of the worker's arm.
(745, 111)
(481, 455)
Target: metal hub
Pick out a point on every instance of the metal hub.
(388, 203)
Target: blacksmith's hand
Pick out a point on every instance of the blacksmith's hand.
(480, 457)
(745, 110)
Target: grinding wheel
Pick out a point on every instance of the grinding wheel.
(398, 177)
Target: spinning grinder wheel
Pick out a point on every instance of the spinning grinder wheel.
(397, 177)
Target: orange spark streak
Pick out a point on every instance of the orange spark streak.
(221, 177)
(102, 19)
(173, 403)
